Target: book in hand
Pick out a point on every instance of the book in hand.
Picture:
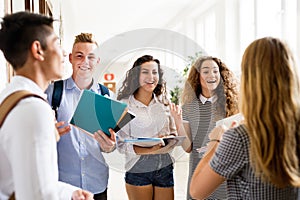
(96, 112)
(228, 120)
(125, 119)
(149, 142)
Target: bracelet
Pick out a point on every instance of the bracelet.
(214, 140)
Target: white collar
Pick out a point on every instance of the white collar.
(24, 83)
(203, 99)
(140, 104)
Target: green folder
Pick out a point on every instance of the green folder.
(96, 112)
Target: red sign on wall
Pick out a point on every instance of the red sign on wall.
(109, 77)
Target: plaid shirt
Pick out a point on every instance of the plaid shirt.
(232, 161)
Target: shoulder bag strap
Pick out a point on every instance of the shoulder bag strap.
(11, 101)
(8, 104)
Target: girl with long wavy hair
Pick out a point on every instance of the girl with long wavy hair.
(210, 94)
(259, 159)
(149, 170)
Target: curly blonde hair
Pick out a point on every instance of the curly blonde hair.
(227, 90)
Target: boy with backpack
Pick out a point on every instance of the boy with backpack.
(80, 158)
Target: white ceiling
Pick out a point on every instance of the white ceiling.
(106, 18)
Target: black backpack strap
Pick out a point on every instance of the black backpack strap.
(58, 90)
(104, 90)
(56, 95)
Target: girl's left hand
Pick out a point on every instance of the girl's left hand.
(176, 112)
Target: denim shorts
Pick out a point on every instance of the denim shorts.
(160, 178)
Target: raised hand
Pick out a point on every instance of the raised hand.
(176, 112)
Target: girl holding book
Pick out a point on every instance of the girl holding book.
(149, 170)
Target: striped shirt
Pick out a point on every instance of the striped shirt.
(232, 161)
(202, 119)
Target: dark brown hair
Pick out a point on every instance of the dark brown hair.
(19, 31)
(131, 83)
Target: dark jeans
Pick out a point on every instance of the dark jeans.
(101, 196)
(160, 178)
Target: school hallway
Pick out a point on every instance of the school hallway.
(116, 184)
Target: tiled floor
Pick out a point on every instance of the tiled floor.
(116, 185)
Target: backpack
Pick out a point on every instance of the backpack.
(58, 90)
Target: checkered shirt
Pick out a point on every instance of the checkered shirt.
(232, 161)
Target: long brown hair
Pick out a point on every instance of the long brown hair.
(271, 104)
(131, 83)
(227, 90)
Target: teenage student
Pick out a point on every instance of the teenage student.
(149, 170)
(210, 94)
(28, 155)
(80, 156)
(258, 159)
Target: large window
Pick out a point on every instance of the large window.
(276, 18)
(226, 28)
(206, 32)
(247, 23)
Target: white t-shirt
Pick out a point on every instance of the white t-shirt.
(153, 120)
(28, 153)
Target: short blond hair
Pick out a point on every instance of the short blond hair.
(85, 37)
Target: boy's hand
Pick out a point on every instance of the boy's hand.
(107, 144)
(62, 130)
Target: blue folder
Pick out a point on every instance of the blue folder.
(96, 112)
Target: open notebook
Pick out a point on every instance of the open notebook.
(228, 120)
(149, 142)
